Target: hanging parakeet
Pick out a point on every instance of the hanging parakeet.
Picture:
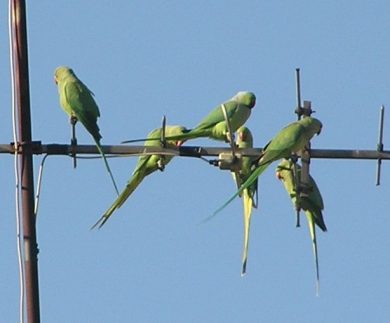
(312, 204)
(146, 165)
(290, 139)
(78, 102)
(238, 110)
(249, 194)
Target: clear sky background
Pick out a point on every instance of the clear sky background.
(153, 261)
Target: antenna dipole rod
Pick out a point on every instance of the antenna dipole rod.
(298, 89)
(380, 144)
(381, 121)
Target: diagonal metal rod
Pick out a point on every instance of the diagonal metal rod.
(163, 141)
(232, 146)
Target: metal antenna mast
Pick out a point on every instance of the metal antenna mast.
(19, 49)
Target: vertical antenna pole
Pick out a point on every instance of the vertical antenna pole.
(73, 141)
(298, 110)
(380, 145)
(19, 44)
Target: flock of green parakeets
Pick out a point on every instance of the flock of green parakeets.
(78, 102)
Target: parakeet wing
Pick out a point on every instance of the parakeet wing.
(79, 97)
(217, 115)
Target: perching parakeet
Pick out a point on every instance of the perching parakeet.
(312, 204)
(249, 194)
(238, 110)
(146, 165)
(78, 102)
(291, 139)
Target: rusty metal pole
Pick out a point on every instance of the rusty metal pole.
(19, 44)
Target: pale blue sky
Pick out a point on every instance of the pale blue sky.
(153, 262)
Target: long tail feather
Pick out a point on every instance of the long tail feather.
(248, 203)
(189, 134)
(312, 228)
(129, 189)
(107, 166)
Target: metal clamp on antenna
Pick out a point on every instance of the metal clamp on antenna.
(306, 110)
(73, 141)
(379, 147)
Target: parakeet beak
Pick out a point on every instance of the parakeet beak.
(279, 176)
(55, 80)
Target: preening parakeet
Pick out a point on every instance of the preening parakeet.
(146, 165)
(312, 204)
(249, 194)
(78, 102)
(291, 139)
(238, 110)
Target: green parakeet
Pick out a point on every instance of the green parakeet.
(291, 139)
(249, 194)
(312, 204)
(78, 102)
(146, 165)
(238, 110)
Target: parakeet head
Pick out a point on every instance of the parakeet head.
(61, 72)
(283, 167)
(245, 98)
(176, 131)
(313, 125)
(244, 135)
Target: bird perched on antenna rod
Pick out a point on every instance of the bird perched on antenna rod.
(214, 125)
(291, 139)
(146, 165)
(78, 103)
